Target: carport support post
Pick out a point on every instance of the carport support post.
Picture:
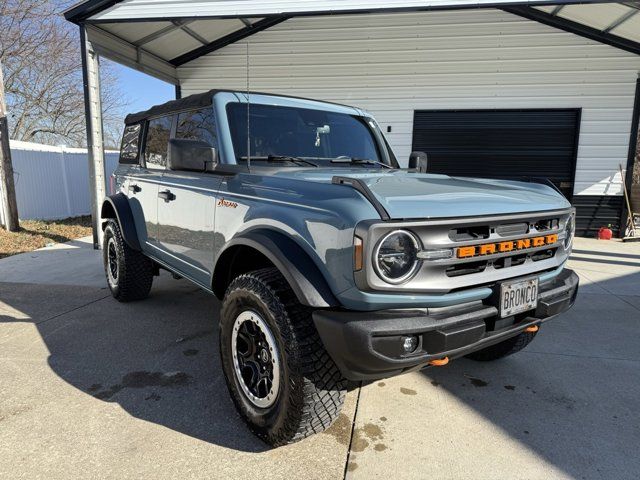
(95, 140)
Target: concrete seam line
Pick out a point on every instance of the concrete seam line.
(353, 429)
(72, 310)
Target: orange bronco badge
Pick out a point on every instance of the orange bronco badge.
(504, 247)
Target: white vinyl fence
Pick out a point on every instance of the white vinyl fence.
(53, 182)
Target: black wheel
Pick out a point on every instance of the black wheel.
(503, 349)
(129, 273)
(281, 379)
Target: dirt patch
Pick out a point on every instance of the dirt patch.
(381, 384)
(341, 429)
(366, 435)
(193, 336)
(34, 234)
(380, 447)
(143, 380)
(352, 466)
(477, 382)
(510, 387)
(408, 391)
(190, 352)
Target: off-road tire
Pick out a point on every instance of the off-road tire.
(503, 349)
(135, 271)
(312, 389)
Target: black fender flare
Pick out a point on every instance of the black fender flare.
(118, 206)
(302, 274)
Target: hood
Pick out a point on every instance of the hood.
(407, 195)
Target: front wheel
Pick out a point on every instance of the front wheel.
(503, 349)
(281, 379)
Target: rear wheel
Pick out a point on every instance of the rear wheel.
(503, 349)
(281, 379)
(129, 272)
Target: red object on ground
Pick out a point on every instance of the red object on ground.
(605, 233)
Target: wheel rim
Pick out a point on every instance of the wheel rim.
(256, 359)
(113, 262)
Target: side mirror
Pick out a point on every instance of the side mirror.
(194, 155)
(418, 161)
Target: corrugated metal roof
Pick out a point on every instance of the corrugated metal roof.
(156, 36)
(149, 9)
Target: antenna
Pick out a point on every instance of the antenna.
(248, 115)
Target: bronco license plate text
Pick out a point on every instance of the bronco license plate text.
(518, 297)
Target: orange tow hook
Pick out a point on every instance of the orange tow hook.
(440, 362)
(532, 329)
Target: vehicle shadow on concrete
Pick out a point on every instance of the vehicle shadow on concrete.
(157, 358)
(573, 395)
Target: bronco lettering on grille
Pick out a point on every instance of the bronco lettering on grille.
(503, 247)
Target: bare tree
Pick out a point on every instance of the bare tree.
(43, 76)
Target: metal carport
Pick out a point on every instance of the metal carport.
(157, 37)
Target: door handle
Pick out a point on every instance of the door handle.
(135, 188)
(167, 196)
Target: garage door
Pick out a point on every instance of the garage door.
(500, 143)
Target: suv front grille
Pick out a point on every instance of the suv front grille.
(484, 249)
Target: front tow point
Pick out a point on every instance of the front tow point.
(439, 362)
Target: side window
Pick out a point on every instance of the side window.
(157, 144)
(198, 125)
(130, 144)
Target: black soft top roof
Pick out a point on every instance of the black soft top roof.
(197, 100)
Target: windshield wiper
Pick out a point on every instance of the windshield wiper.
(282, 158)
(359, 161)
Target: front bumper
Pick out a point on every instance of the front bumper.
(367, 345)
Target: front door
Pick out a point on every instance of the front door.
(187, 203)
(186, 213)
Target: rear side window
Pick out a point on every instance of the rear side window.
(198, 125)
(130, 144)
(157, 144)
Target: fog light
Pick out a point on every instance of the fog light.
(409, 344)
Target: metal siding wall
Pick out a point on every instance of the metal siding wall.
(53, 183)
(393, 64)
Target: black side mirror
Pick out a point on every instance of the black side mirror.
(418, 162)
(194, 155)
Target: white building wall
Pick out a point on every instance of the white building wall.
(393, 64)
(53, 182)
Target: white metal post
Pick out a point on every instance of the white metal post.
(95, 140)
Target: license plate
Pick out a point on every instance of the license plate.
(519, 296)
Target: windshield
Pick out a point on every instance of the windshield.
(316, 135)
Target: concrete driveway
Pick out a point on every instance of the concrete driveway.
(91, 388)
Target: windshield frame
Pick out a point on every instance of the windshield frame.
(229, 155)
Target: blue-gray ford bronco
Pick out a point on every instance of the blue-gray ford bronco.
(333, 264)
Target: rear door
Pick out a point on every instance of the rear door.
(186, 214)
(143, 185)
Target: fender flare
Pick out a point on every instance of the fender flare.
(119, 205)
(302, 274)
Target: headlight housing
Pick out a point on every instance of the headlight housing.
(569, 231)
(395, 258)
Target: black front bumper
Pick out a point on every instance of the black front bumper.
(368, 345)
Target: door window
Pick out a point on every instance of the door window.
(157, 144)
(130, 144)
(198, 125)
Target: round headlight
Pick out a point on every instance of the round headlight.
(569, 232)
(396, 256)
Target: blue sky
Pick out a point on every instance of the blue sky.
(142, 91)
